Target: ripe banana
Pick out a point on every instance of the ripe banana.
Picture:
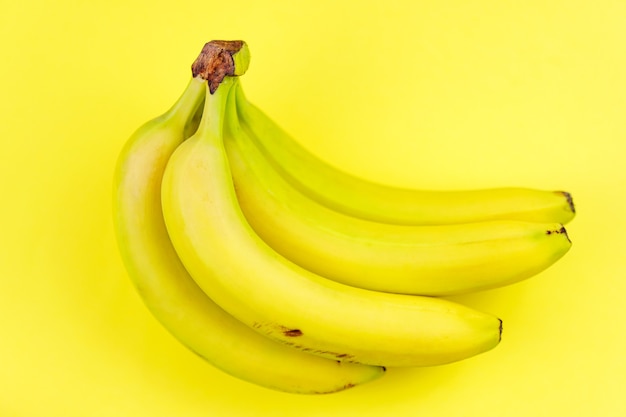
(174, 298)
(358, 197)
(423, 260)
(279, 299)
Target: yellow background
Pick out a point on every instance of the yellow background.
(431, 94)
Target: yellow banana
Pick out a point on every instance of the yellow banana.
(171, 294)
(376, 201)
(283, 301)
(424, 260)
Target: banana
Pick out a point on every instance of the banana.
(375, 201)
(283, 301)
(171, 294)
(425, 260)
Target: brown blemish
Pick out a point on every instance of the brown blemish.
(338, 389)
(270, 330)
(560, 231)
(216, 62)
(342, 357)
(339, 357)
(500, 331)
(347, 386)
(292, 332)
(289, 332)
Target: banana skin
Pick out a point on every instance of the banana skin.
(353, 195)
(422, 260)
(283, 301)
(173, 297)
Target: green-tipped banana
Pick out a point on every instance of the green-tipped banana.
(358, 197)
(424, 260)
(283, 301)
(171, 294)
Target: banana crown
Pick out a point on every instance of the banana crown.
(219, 59)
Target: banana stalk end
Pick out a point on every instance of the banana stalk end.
(220, 59)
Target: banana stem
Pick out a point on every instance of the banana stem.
(214, 113)
(220, 59)
(186, 105)
(231, 122)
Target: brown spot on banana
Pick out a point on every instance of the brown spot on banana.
(292, 332)
(559, 231)
(339, 357)
(289, 332)
(270, 329)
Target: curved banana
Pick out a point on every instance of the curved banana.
(174, 298)
(423, 260)
(243, 275)
(373, 201)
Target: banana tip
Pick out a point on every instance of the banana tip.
(559, 230)
(569, 199)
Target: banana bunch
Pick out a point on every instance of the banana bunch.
(286, 272)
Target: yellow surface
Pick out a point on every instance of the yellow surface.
(434, 94)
